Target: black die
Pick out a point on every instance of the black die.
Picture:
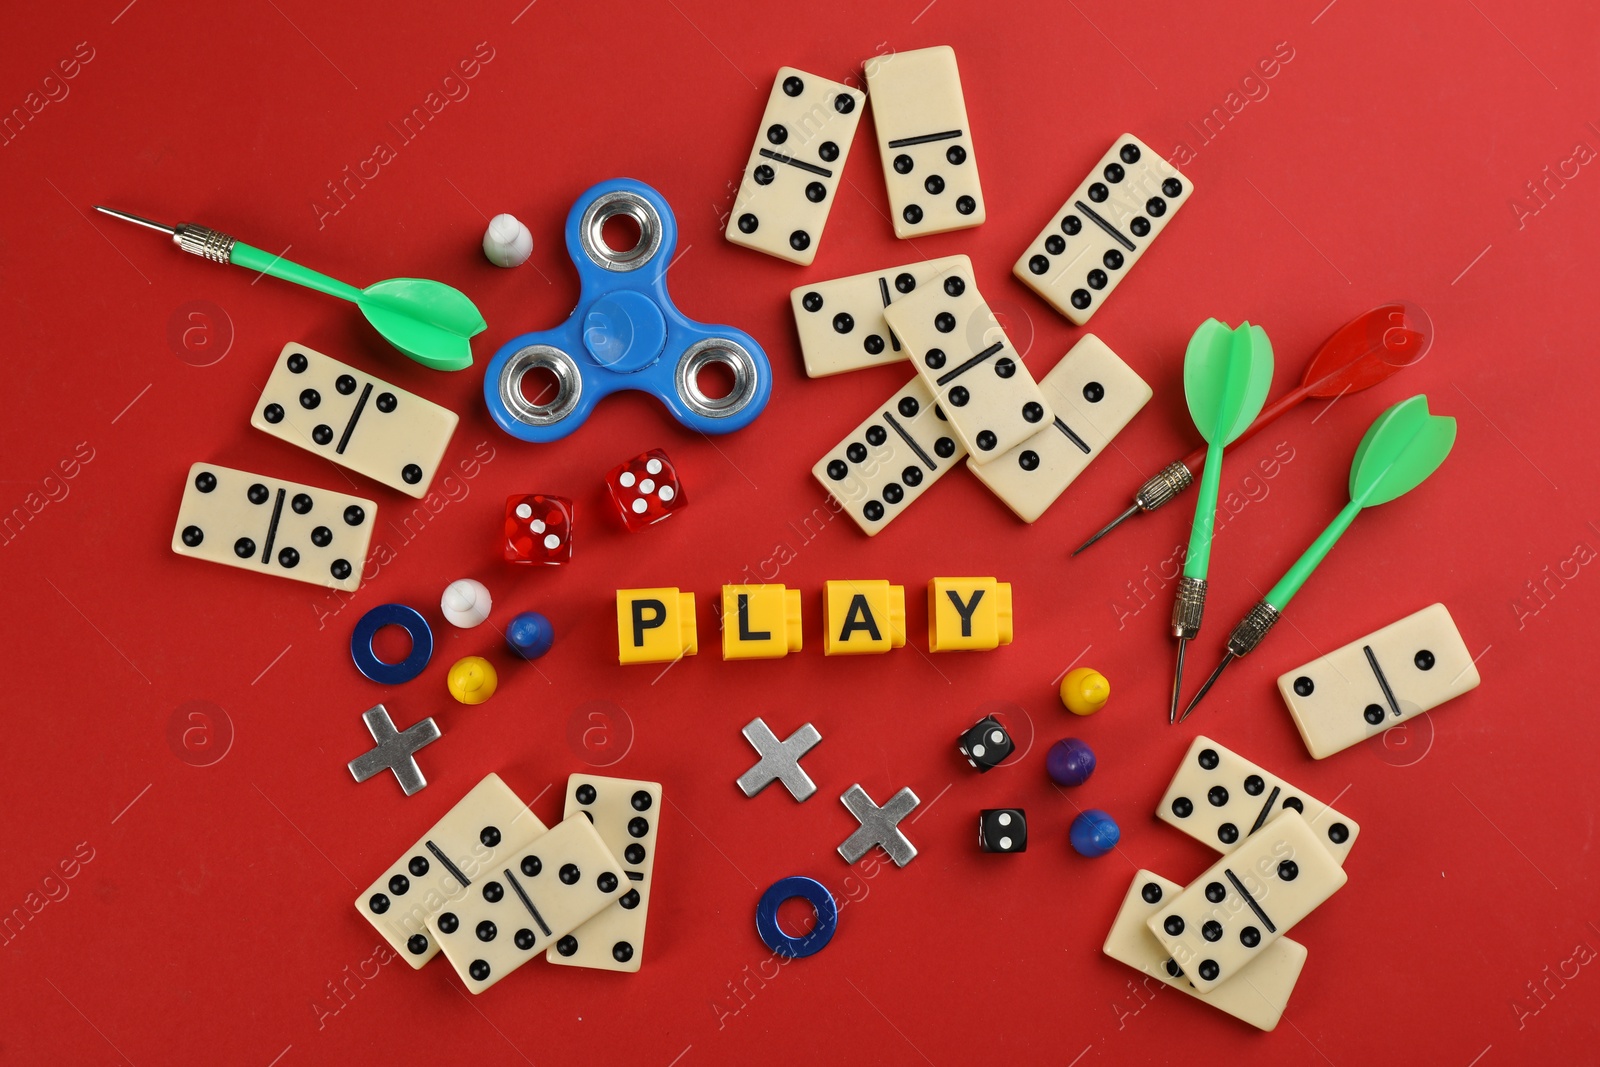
(1003, 830)
(986, 744)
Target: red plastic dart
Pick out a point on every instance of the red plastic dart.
(1360, 354)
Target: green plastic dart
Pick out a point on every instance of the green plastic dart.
(428, 321)
(1226, 374)
(1402, 447)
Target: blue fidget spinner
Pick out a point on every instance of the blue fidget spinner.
(625, 333)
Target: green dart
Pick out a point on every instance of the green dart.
(1226, 374)
(428, 321)
(1402, 447)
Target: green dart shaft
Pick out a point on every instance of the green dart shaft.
(252, 258)
(1280, 595)
(1198, 560)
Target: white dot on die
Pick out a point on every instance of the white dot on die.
(537, 526)
(1005, 843)
(996, 736)
(638, 507)
(647, 486)
(666, 493)
(1004, 819)
(625, 479)
(654, 466)
(523, 511)
(978, 750)
(552, 541)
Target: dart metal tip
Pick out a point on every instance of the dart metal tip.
(1205, 687)
(1112, 525)
(1177, 682)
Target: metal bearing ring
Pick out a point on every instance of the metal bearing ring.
(700, 355)
(609, 207)
(569, 385)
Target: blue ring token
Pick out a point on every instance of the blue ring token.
(812, 892)
(408, 619)
(625, 333)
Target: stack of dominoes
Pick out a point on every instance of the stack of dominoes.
(494, 887)
(1025, 440)
(1220, 939)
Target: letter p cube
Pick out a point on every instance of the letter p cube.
(655, 625)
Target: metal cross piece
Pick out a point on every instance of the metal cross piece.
(879, 826)
(396, 749)
(780, 760)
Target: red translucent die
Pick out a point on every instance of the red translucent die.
(538, 529)
(645, 489)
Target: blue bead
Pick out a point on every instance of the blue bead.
(1094, 833)
(530, 635)
(1069, 761)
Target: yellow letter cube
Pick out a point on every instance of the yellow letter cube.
(864, 616)
(968, 613)
(655, 625)
(760, 621)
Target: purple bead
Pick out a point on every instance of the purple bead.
(1094, 833)
(1069, 761)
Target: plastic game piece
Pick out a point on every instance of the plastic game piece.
(1094, 833)
(507, 242)
(780, 760)
(760, 622)
(1264, 985)
(396, 749)
(545, 890)
(1247, 900)
(840, 322)
(1003, 830)
(530, 635)
(864, 616)
(1084, 691)
(879, 826)
(627, 815)
(977, 375)
(625, 333)
(1096, 237)
(1094, 395)
(1378, 681)
(1226, 374)
(655, 625)
(1400, 450)
(428, 321)
(968, 614)
(465, 603)
(892, 458)
(823, 908)
(355, 420)
(538, 529)
(1219, 798)
(1360, 354)
(985, 743)
(475, 837)
(408, 619)
(271, 526)
(471, 680)
(645, 489)
(925, 141)
(1069, 762)
(795, 166)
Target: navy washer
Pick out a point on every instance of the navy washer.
(408, 619)
(821, 901)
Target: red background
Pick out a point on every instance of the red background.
(1383, 161)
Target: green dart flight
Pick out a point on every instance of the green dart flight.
(1402, 447)
(1226, 374)
(428, 321)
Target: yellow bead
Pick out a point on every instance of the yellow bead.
(655, 625)
(1084, 691)
(968, 613)
(471, 680)
(760, 621)
(863, 616)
